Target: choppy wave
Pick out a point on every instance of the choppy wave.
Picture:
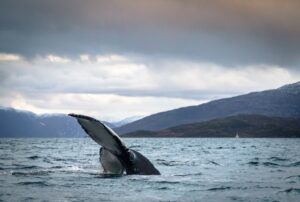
(270, 164)
(25, 167)
(275, 158)
(295, 164)
(189, 174)
(293, 176)
(214, 163)
(254, 163)
(222, 188)
(169, 163)
(277, 162)
(33, 157)
(32, 173)
(192, 169)
(34, 183)
(292, 190)
(175, 163)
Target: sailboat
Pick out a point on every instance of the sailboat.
(237, 135)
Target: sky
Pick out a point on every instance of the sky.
(114, 59)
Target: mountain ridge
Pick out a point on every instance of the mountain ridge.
(21, 123)
(282, 102)
(245, 125)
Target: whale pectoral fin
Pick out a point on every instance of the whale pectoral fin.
(141, 164)
(122, 157)
(101, 134)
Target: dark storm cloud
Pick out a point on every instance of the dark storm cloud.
(227, 32)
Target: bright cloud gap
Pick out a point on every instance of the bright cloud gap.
(113, 87)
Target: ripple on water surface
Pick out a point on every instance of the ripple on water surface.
(192, 169)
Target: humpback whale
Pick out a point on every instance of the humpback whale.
(115, 156)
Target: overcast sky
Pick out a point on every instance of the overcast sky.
(116, 59)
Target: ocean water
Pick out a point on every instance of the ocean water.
(213, 169)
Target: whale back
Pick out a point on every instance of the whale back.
(141, 164)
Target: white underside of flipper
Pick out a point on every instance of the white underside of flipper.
(101, 134)
(110, 163)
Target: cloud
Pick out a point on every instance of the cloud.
(117, 86)
(57, 59)
(109, 56)
(107, 107)
(4, 57)
(123, 75)
(227, 32)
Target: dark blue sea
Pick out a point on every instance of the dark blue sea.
(212, 169)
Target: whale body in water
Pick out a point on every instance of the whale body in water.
(115, 156)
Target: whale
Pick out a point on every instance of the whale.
(115, 157)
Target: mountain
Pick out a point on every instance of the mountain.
(281, 102)
(21, 123)
(16, 123)
(125, 121)
(109, 124)
(244, 125)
